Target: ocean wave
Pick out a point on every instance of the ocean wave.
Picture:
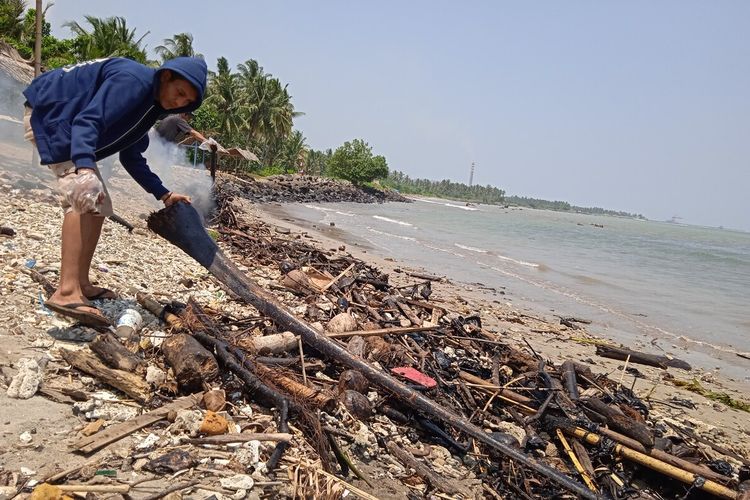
(452, 205)
(443, 250)
(320, 209)
(332, 210)
(394, 221)
(470, 249)
(519, 262)
(391, 235)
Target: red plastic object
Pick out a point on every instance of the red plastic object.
(414, 375)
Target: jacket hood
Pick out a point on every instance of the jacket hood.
(194, 70)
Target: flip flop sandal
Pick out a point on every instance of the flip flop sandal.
(101, 295)
(84, 317)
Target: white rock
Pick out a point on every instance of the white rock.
(27, 472)
(155, 376)
(26, 437)
(188, 421)
(26, 382)
(148, 442)
(7, 492)
(342, 322)
(237, 482)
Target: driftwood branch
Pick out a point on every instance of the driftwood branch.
(115, 355)
(423, 471)
(129, 383)
(642, 358)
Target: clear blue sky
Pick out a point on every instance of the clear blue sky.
(640, 106)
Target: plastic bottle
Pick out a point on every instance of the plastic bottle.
(128, 324)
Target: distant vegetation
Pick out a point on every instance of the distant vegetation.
(444, 189)
(245, 107)
(484, 194)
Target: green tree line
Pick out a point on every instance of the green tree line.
(445, 189)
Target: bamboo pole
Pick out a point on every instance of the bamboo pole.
(652, 463)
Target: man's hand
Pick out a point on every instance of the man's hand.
(83, 190)
(171, 198)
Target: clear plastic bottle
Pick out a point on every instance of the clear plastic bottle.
(129, 323)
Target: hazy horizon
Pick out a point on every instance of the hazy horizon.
(640, 107)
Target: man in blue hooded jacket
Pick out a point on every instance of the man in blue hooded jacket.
(81, 114)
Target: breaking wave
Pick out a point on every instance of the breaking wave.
(323, 209)
(471, 249)
(393, 221)
(519, 262)
(391, 235)
(452, 205)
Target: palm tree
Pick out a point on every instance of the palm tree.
(180, 45)
(11, 19)
(222, 95)
(109, 37)
(295, 151)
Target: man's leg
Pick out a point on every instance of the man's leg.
(91, 230)
(73, 231)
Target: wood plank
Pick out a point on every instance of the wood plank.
(119, 431)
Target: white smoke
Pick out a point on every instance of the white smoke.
(169, 161)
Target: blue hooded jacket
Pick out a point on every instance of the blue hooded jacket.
(92, 110)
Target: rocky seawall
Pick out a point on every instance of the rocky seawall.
(307, 189)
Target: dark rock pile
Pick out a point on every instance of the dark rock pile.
(307, 188)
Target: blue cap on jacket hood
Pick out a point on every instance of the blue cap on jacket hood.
(194, 70)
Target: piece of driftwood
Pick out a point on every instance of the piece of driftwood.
(119, 431)
(275, 343)
(119, 220)
(242, 438)
(94, 488)
(172, 489)
(569, 378)
(422, 470)
(408, 312)
(622, 354)
(379, 332)
(181, 225)
(193, 364)
(115, 355)
(620, 422)
(314, 397)
(505, 393)
(47, 285)
(155, 308)
(129, 383)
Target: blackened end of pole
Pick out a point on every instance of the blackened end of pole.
(181, 225)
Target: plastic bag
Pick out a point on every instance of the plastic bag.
(84, 191)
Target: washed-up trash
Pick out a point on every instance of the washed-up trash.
(414, 375)
(171, 462)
